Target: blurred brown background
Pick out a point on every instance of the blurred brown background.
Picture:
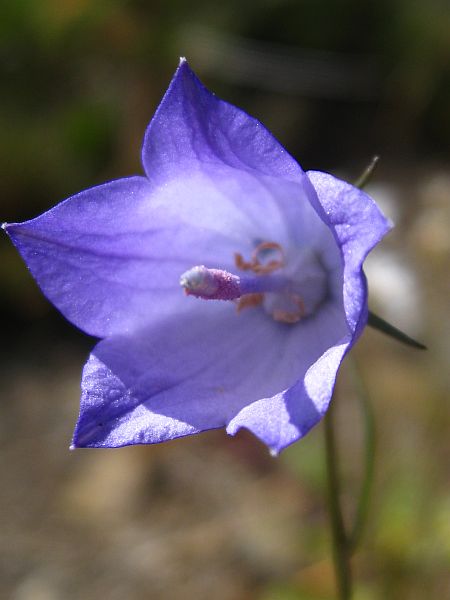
(212, 516)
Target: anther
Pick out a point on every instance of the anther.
(249, 301)
(255, 263)
(290, 316)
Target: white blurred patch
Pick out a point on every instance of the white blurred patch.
(394, 293)
(387, 198)
(431, 230)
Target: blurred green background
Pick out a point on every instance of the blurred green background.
(212, 516)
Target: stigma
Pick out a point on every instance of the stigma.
(211, 284)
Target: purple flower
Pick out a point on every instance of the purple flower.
(270, 259)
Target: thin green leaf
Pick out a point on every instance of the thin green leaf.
(367, 173)
(385, 327)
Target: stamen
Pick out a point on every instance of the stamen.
(255, 264)
(287, 316)
(249, 301)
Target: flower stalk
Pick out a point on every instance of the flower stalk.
(340, 541)
(362, 507)
(345, 543)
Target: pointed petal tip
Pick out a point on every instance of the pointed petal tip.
(83, 437)
(183, 66)
(10, 229)
(74, 444)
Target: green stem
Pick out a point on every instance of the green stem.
(341, 548)
(362, 508)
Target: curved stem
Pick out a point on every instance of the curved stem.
(341, 548)
(369, 459)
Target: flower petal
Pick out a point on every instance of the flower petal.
(105, 256)
(358, 225)
(188, 376)
(192, 127)
(288, 416)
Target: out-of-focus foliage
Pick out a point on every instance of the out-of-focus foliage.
(100, 66)
(337, 81)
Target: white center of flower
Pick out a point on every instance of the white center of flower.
(287, 289)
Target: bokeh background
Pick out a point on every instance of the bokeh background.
(213, 516)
